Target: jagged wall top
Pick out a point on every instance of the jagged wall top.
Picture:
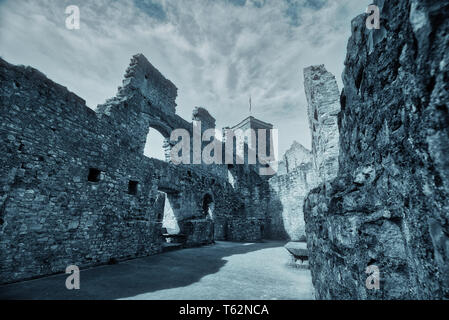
(323, 107)
(296, 156)
(143, 77)
(321, 89)
(201, 114)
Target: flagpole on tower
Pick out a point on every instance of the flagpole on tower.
(250, 106)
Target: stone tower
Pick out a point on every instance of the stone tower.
(255, 124)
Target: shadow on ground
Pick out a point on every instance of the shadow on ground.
(137, 277)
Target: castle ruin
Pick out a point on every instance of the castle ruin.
(77, 189)
(373, 191)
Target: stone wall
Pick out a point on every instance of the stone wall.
(288, 190)
(301, 170)
(75, 187)
(389, 205)
(296, 156)
(323, 107)
(252, 217)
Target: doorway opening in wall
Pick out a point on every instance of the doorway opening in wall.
(166, 204)
(231, 178)
(155, 145)
(166, 215)
(208, 206)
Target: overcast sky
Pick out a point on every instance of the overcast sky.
(217, 52)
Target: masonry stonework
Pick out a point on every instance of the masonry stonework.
(76, 188)
(323, 107)
(288, 190)
(301, 170)
(389, 205)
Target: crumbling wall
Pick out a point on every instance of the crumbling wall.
(296, 156)
(287, 192)
(323, 107)
(249, 221)
(389, 205)
(75, 185)
(301, 170)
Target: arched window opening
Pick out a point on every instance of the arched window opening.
(156, 145)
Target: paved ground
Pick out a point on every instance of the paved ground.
(222, 271)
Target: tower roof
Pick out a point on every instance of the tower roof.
(252, 123)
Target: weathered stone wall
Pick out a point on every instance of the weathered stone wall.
(244, 229)
(301, 170)
(323, 107)
(75, 187)
(251, 216)
(288, 190)
(296, 156)
(389, 205)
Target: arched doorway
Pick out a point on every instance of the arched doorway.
(208, 206)
(165, 214)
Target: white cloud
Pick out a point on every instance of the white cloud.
(216, 52)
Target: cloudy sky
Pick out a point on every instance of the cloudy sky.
(217, 52)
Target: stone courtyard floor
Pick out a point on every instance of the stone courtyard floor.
(226, 270)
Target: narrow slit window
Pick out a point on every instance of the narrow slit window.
(94, 175)
(132, 187)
